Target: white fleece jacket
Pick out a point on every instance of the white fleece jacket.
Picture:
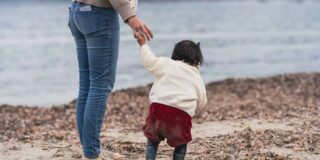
(177, 84)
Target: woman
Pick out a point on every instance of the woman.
(94, 25)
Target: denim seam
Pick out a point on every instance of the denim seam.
(96, 122)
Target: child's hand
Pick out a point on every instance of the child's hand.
(141, 39)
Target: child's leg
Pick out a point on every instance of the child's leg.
(180, 152)
(152, 148)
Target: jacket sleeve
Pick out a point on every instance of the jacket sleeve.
(202, 101)
(155, 65)
(124, 8)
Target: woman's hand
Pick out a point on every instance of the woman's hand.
(138, 27)
(140, 38)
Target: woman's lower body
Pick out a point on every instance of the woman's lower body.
(96, 33)
(166, 122)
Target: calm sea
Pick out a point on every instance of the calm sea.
(239, 39)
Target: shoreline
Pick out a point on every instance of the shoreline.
(274, 117)
(150, 84)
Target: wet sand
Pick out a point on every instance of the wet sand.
(266, 118)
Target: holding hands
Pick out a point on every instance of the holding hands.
(140, 39)
(140, 29)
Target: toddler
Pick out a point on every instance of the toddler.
(177, 94)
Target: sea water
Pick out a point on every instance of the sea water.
(38, 64)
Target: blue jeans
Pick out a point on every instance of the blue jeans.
(96, 34)
(152, 148)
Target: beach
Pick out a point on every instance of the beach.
(274, 118)
(261, 72)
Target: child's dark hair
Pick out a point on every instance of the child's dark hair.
(188, 52)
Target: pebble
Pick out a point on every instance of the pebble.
(77, 156)
(116, 156)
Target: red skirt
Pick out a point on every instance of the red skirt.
(166, 122)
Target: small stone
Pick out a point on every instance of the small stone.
(77, 156)
(289, 145)
(14, 148)
(58, 154)
(59, 136)
(298, 149)
(116, 156)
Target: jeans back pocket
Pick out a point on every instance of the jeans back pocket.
(87, 19)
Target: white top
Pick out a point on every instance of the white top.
(177, 84)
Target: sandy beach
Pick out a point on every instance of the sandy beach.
(273, 118)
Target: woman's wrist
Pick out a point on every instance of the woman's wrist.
(129, 19)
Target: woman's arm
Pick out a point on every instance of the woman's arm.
(124, 8)
(129, 16)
